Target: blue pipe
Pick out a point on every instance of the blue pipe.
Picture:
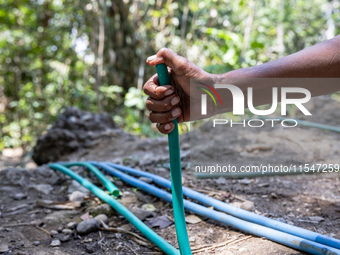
(252, 228)
(237, 212)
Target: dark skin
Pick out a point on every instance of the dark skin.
(319, 61)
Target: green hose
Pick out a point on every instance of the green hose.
(176, 175)
(109, 185)
(145, 230)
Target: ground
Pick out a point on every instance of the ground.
(310, 201)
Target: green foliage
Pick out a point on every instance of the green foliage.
(91, 53)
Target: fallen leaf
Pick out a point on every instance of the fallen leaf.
(160, 221)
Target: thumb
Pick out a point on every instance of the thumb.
(170, 58)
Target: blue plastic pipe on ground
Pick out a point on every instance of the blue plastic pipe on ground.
(249, 227)
(237, 212)
(145, 230)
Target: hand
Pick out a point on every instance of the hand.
(169, 102)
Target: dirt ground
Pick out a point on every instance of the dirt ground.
(310, 201)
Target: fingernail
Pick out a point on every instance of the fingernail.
(151, 58)
(175, 112)
(168, 92)
(174, 101)
(167, 127)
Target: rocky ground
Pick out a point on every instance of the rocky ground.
(44, 212)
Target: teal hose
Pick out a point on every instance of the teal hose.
(109, 185)
(176, 175)
(145, 230)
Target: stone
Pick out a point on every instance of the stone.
(76, 186)
(71, 225)
(140, 213)
(53, 232)
(62, 237)
(102, 209)
(316, 219)
(248, 205)
(88, 226)
(102, 217)
(3, 248)
(273, 195)
(36, 243)
(67, 231)
(58, 217)
(55, 243)
(43, 188)
(149, 207)
(77, 196)
(145, 179)
(19, 196)
(128, 198)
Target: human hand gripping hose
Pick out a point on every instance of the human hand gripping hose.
(176, 175)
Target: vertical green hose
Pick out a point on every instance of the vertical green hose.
(176, 175)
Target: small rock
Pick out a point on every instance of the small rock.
(140, 213)
(76, 186)
(149, 207)
(53, 232)
(36, 243)
(245, 181)
(22, 253)
(43, 188)
(55, 243)
(146, 179)
(102, 209)
(62, 237)
(242, 249)
(3, 248)
(221, 180)
(72, 225)
(102, 217)
(192, 219)
(281, 220)
(192, 239)
(88, 226)
(77, 196)
(258, 147)
(67, 231)
(248, 205)
(273, 195)
(317, 219)
(19, 196)
(263, 185)
(128, 198)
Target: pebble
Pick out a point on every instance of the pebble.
(77, 196)
(36, 243)
(88, 226)
(72, 225)
(273, 195)
(3, 248)
(53, 232)
(317, 219)
(102, 217)
(248, 205)
(149, 207)
(102, 209)
(140, 213)
(19, 196)
(43, 188)
(128, 198)
(146, 179)
(55, 243)
(63, 237)
(67, 231)
(263, 185)
(75, 186)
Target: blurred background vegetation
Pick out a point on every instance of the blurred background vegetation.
(91, 53)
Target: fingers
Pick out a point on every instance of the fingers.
(165, 117)
(163, 105)
(168, 57)
(165, 128)
(152, 89)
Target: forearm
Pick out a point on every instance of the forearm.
(319, 61)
